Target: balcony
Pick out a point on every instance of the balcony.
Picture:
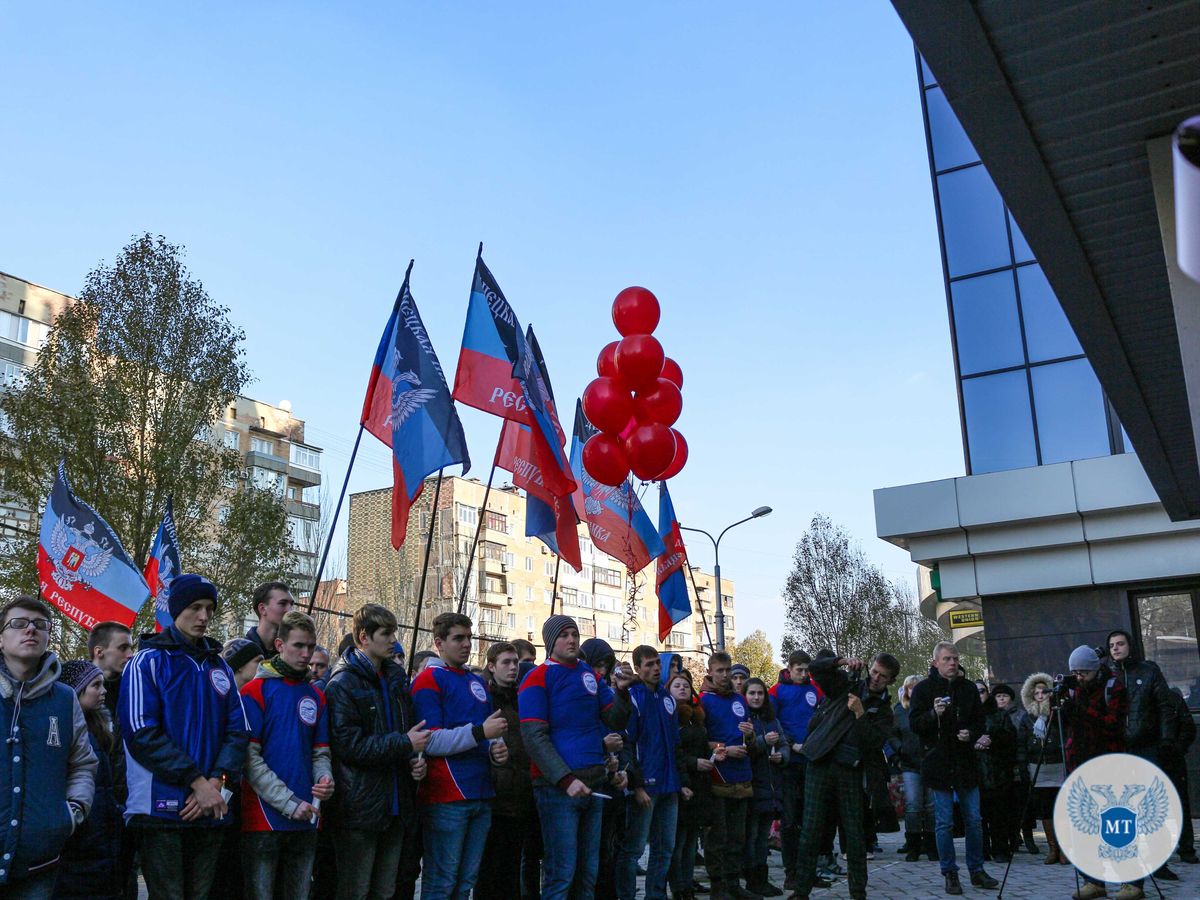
(304, 510)
(493, 566)
(493, 598)
(303, 475)
(266, 461)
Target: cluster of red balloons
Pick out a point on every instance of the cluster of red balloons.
(635, 401)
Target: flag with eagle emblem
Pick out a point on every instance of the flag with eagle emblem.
(408, 407)
(162, 566)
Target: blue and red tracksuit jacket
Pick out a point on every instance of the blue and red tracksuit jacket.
(569, 699)
(795, 705)
(449, 698)
(653, 740)
(722, 713)
(182, 719)
(288, 720)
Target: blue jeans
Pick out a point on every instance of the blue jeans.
(943, 813)
(655, 823)
(571, 842)
(918, 804)
(455, 835)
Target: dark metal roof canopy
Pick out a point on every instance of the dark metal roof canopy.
(1059, 100)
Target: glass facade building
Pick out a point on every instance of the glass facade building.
(1027, 393)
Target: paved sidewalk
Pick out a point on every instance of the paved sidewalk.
(890, 877)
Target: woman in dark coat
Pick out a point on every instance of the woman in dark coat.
(768, 755)
(695, 796)
(90, 862)
(997, 778)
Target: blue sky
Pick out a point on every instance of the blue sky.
(761, 167)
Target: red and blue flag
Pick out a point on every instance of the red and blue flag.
(82, 567)
(162, 566)
(409, 408)
(671, 584)
(548, 517)
(615, 518)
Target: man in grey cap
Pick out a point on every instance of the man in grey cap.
(565, 713)
(739, 674)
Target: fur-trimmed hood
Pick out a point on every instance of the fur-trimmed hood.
(1032, 707)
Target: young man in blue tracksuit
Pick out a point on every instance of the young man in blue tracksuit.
(795, 702)
(652, 744)
(185, 738)
(730, 735)
(48, 767)
(455, 797)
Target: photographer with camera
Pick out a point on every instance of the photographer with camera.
(947, 715)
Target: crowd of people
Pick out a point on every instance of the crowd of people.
(267, 767)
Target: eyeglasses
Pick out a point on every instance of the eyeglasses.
(21, 623)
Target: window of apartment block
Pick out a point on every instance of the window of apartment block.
(528, 593)
(490, 550)
(259, 445)
(570, 596)
(611, 577)
(605, 603)
(529, 564)
(547, 596)
(529, 623)
(305, 458)
(222, 514)
(680, 639)
(22, 330)
(548, 568)
(496, 522)
(468, 515)
(14, 375)
(494, 584)
(586, 573)
(587, 628)
(511, 620)
(615, 632)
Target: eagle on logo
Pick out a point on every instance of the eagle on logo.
(1116, 822)
(76, 554)
(406, 400)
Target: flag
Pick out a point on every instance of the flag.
(549, 518)
(408, 407)
(491, 340)
(546, 436)
(162, 566)
(615, 518)
(82, 567)
(670, 582)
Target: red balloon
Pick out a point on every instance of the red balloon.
(604, 459)
(650, 450)
(635, 311)
(661, 403)
(607, 405)
(680, 460)
(671, 372)
(606, 362)
(639, 360)
(629, 426)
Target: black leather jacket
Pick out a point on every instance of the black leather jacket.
(948, 762)
(370, 757)
(1151, 717)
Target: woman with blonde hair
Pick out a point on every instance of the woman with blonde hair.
(918, 801)
(1041, 740)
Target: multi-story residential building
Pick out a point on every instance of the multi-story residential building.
(510, 586)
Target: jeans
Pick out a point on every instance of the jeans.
(758, 833)
(367, 860)
(455, 835)
(36, 887)
(918, 804)
(683, 860)
(278, 858)
(793, 811)
(943, 811)
(726, 837)
(571, 840)
(500, 870)
(180, 863)
(831, 787)
(531, 858)
(655, 823)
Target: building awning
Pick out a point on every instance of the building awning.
(1064, 103)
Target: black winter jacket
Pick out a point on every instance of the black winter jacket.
(904, 741)
(90, 865)
(514, 784)
(948, 763)
(1151, 717)
(693, 746)
(370, 758)
(998, 764)
(833, 732)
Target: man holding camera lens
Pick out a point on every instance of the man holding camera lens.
(946, 713)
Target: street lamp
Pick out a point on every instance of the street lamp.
(757, 514)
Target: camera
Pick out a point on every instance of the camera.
(1062, 684)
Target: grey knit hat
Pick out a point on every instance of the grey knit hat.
(1083, 659)
(739, 667)
(553, 627)
(77, 674)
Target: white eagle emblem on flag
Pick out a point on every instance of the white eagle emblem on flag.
(406, 400)
(77, 556)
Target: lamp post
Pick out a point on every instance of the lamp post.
(716, 542)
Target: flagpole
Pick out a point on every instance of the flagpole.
(462, 596)
(703, 617)
(333, 525)
(554, 596)
(437, 493)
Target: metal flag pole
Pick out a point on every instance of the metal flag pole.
(437, 493)
(462, 596)
(554, 594)
(703, 618)
(312, 599)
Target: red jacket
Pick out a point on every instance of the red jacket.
(1094, 716)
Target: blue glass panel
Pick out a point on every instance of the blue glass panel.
(972, 221)
(1125, 439)
(999, 423)
(951, 146)
(1021, 250)
(1048, 334)
(986, 324)
(1070, 412)
(926, 76)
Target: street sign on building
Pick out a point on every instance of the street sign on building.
(966, 618)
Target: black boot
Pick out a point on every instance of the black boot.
(912, 852)
(931, 850)
(735, 890)
(953, 885)
(1030, 846)
(763, 885)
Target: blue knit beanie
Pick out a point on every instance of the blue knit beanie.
(186, 589)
